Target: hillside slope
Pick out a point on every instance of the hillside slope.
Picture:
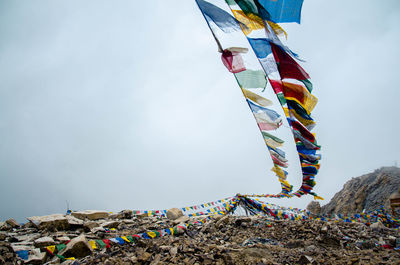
(367, 192)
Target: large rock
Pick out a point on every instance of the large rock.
(111, 224)
(367, 192)
(91, 214)
(78, 247)
(174, 213)
(314, 207)
(91, 224)
(73, 221)
(44, 242)
(182, 219)
(50, 222)
(4, 226)
(36, 257)
(11, 222)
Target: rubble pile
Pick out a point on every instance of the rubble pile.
(81, 238)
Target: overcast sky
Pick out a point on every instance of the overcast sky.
(126, 104)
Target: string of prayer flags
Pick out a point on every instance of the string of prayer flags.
(288, 79)
(258, 20)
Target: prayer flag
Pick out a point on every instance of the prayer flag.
(225, 21)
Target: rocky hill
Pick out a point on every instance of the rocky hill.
(367, 192)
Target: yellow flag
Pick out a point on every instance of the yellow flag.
(93, 244)
(152, 234)
(256, 98)
(254, 22)
(279, 172)
(277, 29)
(251, 21)
(301, 95)
(125, 238)
(51, 248)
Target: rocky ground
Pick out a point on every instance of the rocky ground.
(220, 240)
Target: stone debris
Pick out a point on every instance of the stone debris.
(12, 223)
(78, 247)
(314, 207)
(220, 240)
(50, 222)
(44, 242)
(91, 214)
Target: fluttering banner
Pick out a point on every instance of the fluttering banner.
(291, 84)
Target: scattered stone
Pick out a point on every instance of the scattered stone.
(12, 223)
(62, 239)
(4, 226)
(78, 247)
(44, 242)
(306, 260)
(90, 225)
(3, 236)
(50, 222)
(36, 257)
(220, 240)
(174, 213)
(182, 219)
(91, 214)
(377, 226)
(314, 207)
(73, 221)
(111, 224)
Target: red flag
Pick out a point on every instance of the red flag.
(233, 61)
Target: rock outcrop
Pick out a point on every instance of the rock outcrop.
(367, 192)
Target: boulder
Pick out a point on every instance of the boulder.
(28, 237)
(4, 226)
(91, 224)
(36, 257)
(91, 214)
(125, 214)
(182, 219)
(180, 230)
(12, 223)
(73, 221)
(314, 207)
(3, 236)
(78, 247)
(44, 242)
(174, 213)
(63, 239)
(111, 224)
(377, 226)
(50, 222)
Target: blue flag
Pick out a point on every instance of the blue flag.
(281, 11)
(256, 108)
(225, 21)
